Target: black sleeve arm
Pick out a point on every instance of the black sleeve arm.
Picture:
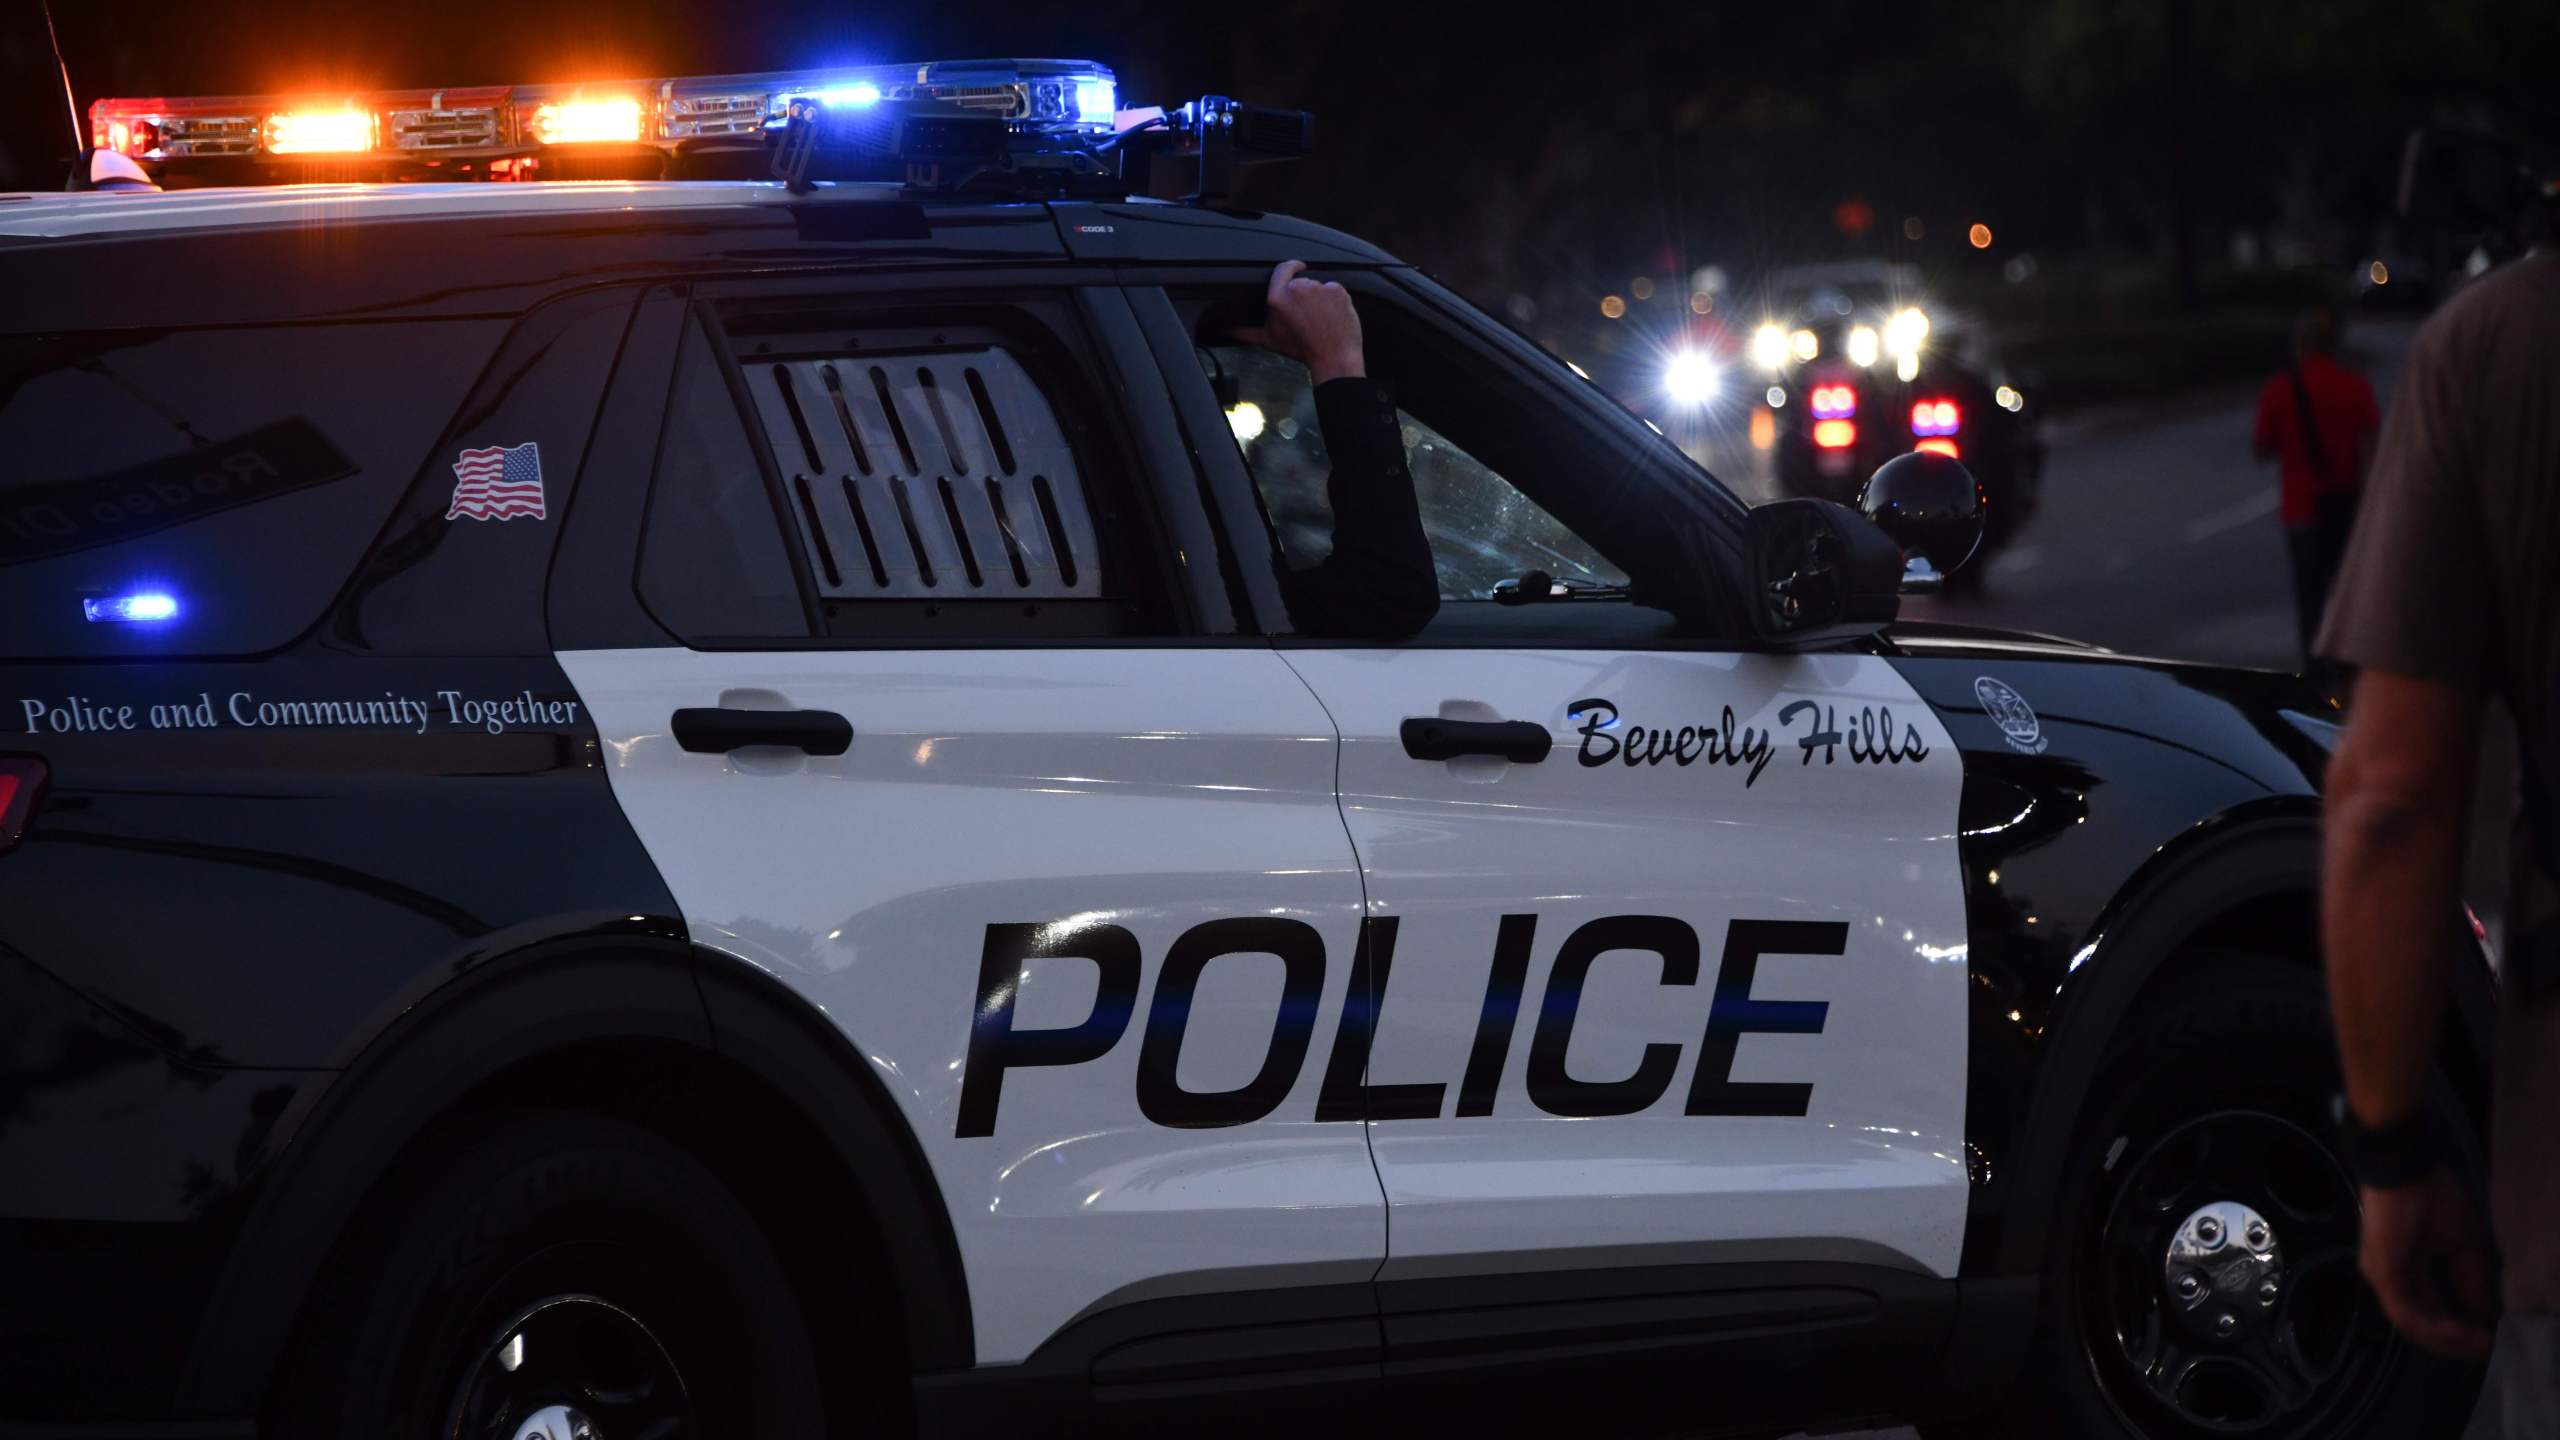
(1378, 582)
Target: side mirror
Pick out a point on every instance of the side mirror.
(1933, 508)
(1820, 571)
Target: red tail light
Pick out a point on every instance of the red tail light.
(21, 786)
(1835, 434)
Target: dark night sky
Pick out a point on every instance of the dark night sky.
(1556, 152)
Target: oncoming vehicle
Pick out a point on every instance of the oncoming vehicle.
(1860, 365)
(690, 807)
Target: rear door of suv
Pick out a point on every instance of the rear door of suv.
(923, 692)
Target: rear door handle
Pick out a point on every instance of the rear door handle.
(1523, 742)
(716, 731)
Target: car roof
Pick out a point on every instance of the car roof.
(263, 254)
(70, 214)
(1138, 229)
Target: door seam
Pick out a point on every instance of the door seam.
(1368, 1131)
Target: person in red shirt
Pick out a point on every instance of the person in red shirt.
(2317, 419)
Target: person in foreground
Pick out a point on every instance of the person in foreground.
(2450, 598)
(1378, 580)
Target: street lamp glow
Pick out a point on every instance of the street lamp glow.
(1906, 331)
(1690, 379)
(1863, 347)
(1769, 347)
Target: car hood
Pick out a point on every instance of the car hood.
(2273, 726)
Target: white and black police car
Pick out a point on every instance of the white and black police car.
(690, 806)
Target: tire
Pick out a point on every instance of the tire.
(2224, 1080)
(615, 1260)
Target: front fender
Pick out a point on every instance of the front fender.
(2118, 810)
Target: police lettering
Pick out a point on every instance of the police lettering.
(997, 1046)
(76, 715)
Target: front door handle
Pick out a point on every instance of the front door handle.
(709, 731)
(1523, 742)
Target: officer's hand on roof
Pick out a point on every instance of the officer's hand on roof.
(1311, 321)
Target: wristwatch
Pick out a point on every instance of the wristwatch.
(2400, 1153)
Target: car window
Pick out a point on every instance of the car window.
(907, 473)
(712, 561)
(204, 492)
(1483, 529)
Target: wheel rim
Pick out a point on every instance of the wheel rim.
(571, 1367)
(2221, 1293)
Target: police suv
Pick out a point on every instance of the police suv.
(689, 807)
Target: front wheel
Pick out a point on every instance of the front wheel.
(2202, 1278)
(553, 1275)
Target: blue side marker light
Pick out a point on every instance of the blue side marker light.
(147, 606)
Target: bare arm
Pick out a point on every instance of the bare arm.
(2399, 811)
(2399, 803)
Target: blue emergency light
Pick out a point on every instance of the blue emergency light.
(143, 607)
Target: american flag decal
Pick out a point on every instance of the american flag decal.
(498, 482)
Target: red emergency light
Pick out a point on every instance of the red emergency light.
(22, 780)
(1834, 402)
(383, 122)
(1934, 417)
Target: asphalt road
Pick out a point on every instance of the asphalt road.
(2157, 530)
(2157, 534)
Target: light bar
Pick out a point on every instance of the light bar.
(581, 121)
(1099, 99)
(319, 132)
(1934, 417)
(1075, 100)
(436, 122)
